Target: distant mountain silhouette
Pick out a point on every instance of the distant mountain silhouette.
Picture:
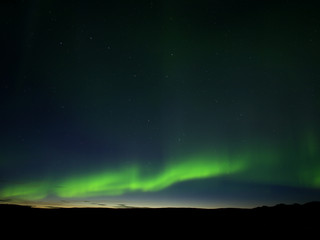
(302, 218)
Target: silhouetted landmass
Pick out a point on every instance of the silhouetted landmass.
(285, 218)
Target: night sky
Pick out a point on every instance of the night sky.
(159, 103)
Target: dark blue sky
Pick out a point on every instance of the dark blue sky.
(160, 103)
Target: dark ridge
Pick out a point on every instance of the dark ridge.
(293, 218)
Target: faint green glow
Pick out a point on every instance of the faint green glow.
(310, 154)
(28, 191)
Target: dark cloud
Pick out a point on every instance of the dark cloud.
(122, 205)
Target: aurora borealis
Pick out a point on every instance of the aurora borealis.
(160, 103)
(128, 179)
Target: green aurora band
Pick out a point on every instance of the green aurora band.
(295, 166)
(126, 179)
(133, 179)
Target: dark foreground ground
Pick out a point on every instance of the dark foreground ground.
(183, 222)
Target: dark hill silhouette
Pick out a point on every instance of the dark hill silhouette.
(186, 221)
